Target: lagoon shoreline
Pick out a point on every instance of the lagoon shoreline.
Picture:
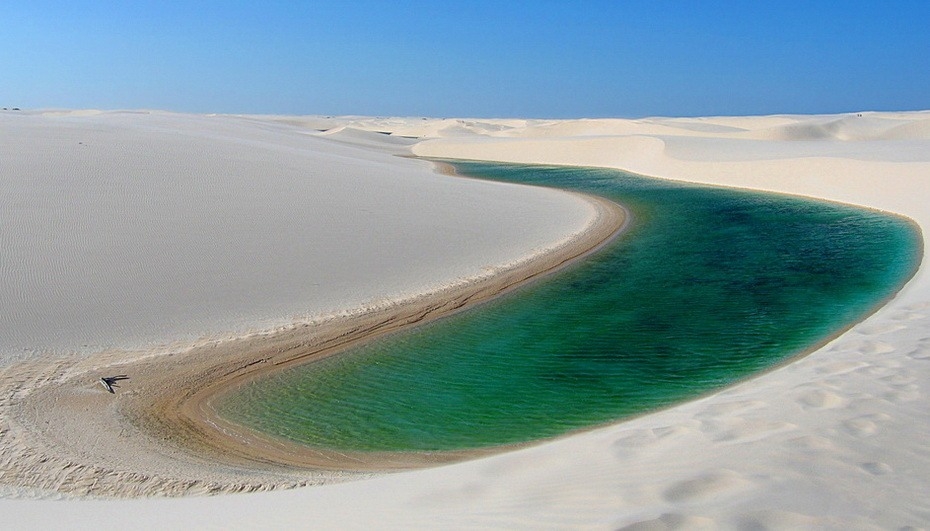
(172, 441)
(835, 439)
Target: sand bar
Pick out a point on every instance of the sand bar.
(178, 450)
(835, 440)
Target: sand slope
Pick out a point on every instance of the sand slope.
(134, 230)
(835, 440)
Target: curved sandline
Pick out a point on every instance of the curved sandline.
(159, 436)
(432, 453)
(262, 462)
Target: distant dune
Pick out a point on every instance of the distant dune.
(836, 439)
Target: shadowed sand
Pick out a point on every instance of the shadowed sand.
(836, 439)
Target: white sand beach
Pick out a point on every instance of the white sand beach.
(129, 237)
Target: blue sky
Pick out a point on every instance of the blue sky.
(547, 59)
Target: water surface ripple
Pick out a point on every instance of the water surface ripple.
(709, 285)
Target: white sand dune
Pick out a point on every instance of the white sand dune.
(834, 440)
(131, 231)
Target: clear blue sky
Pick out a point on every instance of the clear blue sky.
(479, 58)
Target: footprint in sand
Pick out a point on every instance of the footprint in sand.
(860, 427)
(741, 430)
(664, 432)
(729, 408)
(873, 330)
(875, 347)
(777, 520)
(882, 370)
(907, 315)
(841, 367)
(646, 437)
(671, 521)
(918, 307)
(908, 394)
(635, 440)
(821, 399)
(879, 329)
(714, 484)
(813, 442)
(877, 468)
(901, 379)
(864, 426)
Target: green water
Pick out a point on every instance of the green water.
(708, 286)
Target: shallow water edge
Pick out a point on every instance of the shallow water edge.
(710, 286)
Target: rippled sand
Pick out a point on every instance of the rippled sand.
(836, 439)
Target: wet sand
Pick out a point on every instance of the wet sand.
(158, 434)
(834, 440)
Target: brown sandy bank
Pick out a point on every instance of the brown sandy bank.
(61, 432)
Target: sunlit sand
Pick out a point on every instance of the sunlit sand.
(134, 237)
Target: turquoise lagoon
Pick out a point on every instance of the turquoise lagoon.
(707, 287)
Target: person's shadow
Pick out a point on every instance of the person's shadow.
(109, 382)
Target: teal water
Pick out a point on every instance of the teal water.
(708, 286)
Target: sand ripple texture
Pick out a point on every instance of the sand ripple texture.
(837, 440)
(143, 236)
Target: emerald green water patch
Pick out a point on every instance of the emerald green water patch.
(708, 286)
